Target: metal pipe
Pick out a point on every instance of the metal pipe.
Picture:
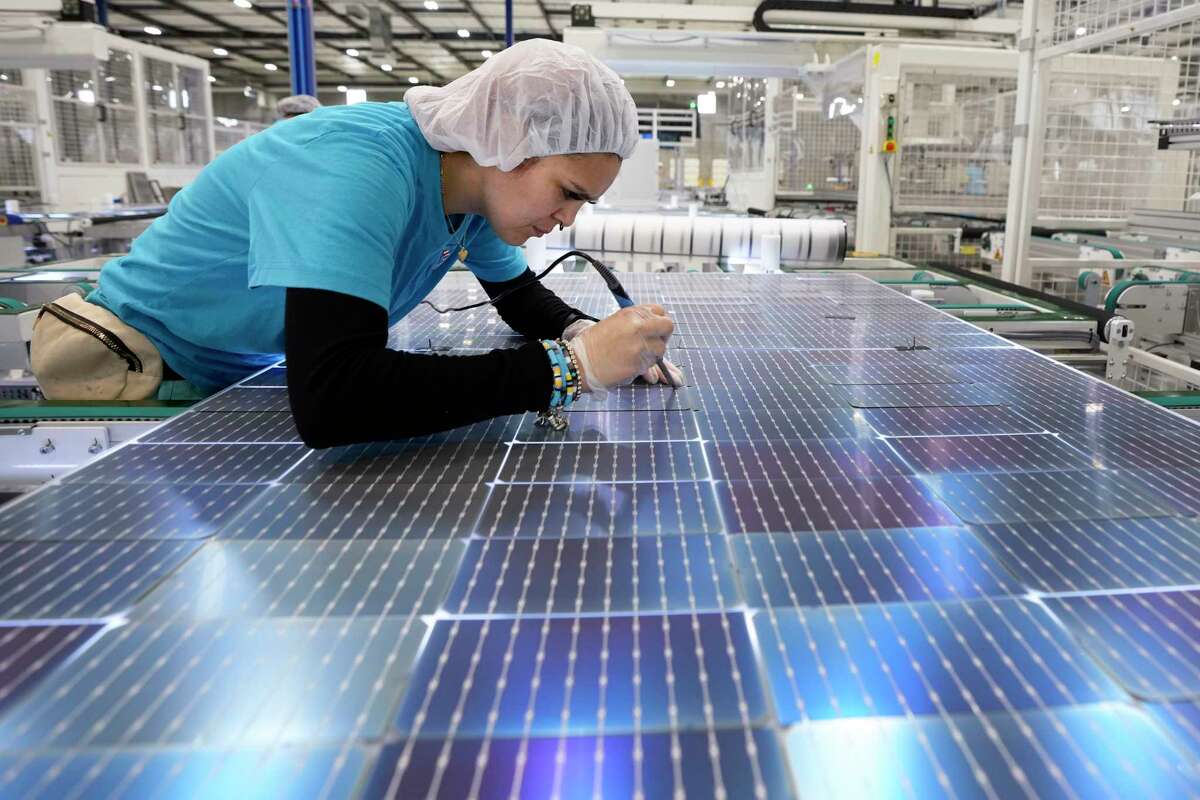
(302, 47)
(508, 23)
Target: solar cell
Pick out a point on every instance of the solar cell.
(830, 566)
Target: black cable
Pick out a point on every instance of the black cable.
(605, 273)
(1164, 344)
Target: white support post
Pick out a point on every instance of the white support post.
(1029, 132)
(874, 187)
(46, 144)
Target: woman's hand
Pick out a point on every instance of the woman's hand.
(619, 348)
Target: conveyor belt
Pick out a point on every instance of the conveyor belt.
(831, 566)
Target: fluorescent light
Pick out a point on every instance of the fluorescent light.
(1080, 31)
(211, 79)
(706, 103)
(352, 52)
(270, 67)
(413, 79)
(1125, 109)
(463, 33)
(220, 51)
(153, 31)
(243, 3)
(157, 88)
(720, 84)
(341, 88)
(1176, 102)
(485, 53)
(247, 92)
(386, 67)
(431, 5)
(86, 96)
(356, 96)
(670, 83)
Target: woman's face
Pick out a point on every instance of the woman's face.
(543, 193)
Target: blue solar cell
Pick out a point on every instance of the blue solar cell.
(247, 426)
(32, 651)
(604, 461)
(247, 399)
(1143, 451)
(720, 764)
(259, 683)
(192, 464)
(200, 774)
(116, 512)
(859, 374)
(784, 460)
(924, 659)
(1105, 750)
(747, 423)
(1048, 496)
(1090, 555)
(565, 576)
(405, 461)
(1182, 722)
(867, 567)
(947, 421)
(599, 509)
(978, 454)
(1179, 485)
(616, 426)
(638, 397)
(307, 579)
(60, 580)
(921, 395)
(627, 673)
(890, 501)
(275, 376)
(366, 511)
(1149, 641)
(793, 397)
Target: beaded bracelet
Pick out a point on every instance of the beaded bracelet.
(565, 370)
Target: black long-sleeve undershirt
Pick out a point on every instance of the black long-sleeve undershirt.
(345, 386)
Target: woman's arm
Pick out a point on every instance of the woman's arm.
(345, 386)
(533, 311)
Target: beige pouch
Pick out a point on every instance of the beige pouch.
(82, 351)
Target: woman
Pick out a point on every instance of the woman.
(310, 239)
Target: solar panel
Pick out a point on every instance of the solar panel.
(832, 565)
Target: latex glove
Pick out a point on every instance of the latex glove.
(654, 374)
(577, 327)
(617, 349)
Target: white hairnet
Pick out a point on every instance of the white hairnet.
(536, 98)
(297, 104)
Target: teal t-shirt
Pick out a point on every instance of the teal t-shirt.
(345, 198)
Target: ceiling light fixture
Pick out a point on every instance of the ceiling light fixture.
(463, 33)
(220, 51)
(153, 31)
